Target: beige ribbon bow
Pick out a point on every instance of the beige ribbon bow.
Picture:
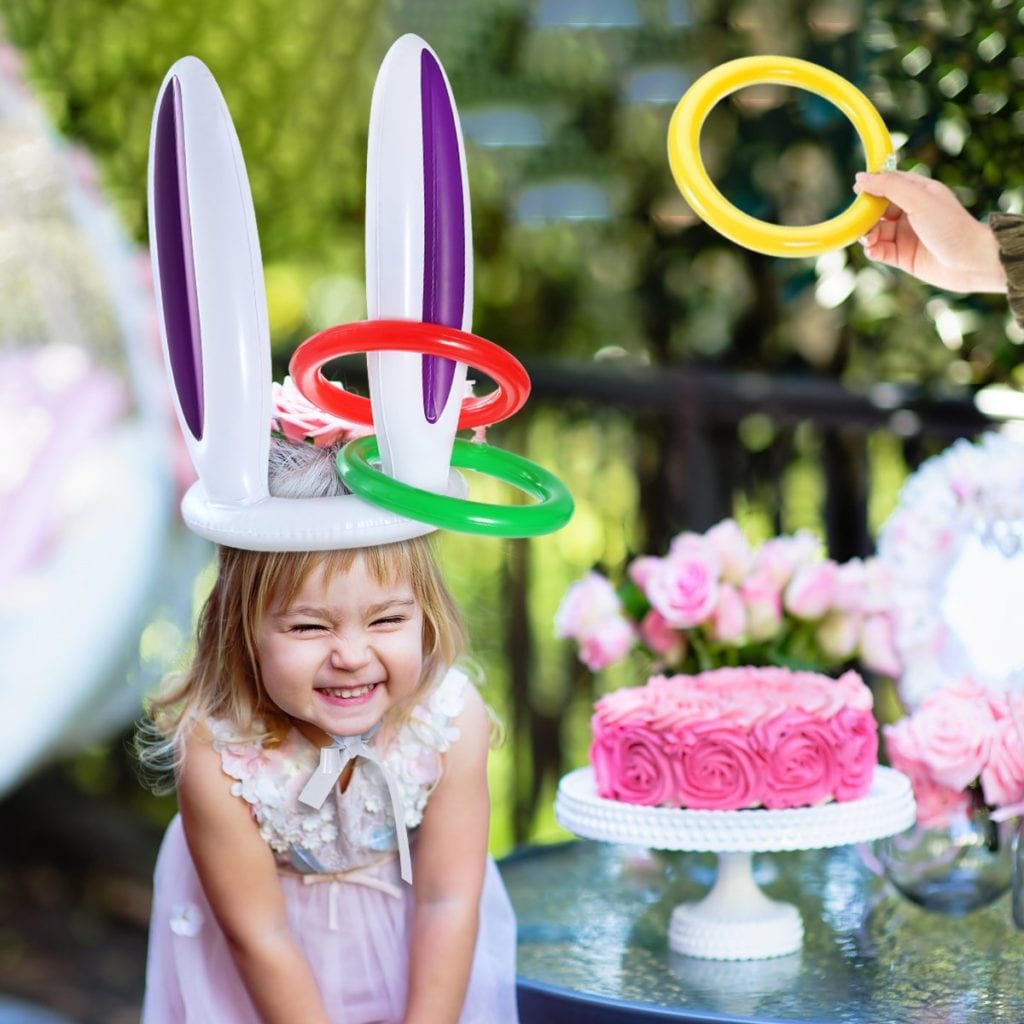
(333, 760)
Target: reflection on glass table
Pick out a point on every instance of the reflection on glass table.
(592, 945)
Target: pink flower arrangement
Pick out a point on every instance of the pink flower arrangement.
(961, 747)
(297, 419)
(714, 600)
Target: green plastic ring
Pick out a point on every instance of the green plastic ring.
(552, 511)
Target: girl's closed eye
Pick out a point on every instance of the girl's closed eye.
(390, 620)
(306, 627)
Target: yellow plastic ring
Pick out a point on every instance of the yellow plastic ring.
(712, 207)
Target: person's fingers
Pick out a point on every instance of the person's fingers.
(885, 230)
(892, 212)
(913, 193)
(878, 251)
(891, 241)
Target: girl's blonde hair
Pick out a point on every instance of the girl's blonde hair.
(223, 680)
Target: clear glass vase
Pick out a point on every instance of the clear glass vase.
(954, 869)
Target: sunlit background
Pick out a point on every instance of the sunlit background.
(677, 378)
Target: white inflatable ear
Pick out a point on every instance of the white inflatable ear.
(419, 258)
(210, 293)
(209, 285)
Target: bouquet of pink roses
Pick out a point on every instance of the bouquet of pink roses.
(962, 747)
(297, 419)
(715, 600)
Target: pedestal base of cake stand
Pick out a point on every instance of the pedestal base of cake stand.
(736, 920)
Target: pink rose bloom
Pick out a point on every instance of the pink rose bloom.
(716, 769)
(587, 602)
(810, 592)
(660, 637)
(901, 744)
(856, 736)
(853, 692)
(1002, 778)
(607, 642)
(801, 764)
(729, 619)
(1000, 704)
(878, 646)
(640, 570)
(952, 731)
(690, 544)
(877, 596)
(630, 764)
(763, 600)
(937, 805)
(684, 586)
(300, 420)
(780, 557)
(850, 586)
(732, 549)
(839, 634)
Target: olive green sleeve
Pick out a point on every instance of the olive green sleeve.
(1009, 231)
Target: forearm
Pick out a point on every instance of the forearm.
(986, 269)
(441, 955)
(279, 981)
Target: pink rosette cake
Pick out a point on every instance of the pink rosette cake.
(736, 738)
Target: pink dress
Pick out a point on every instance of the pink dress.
(348, 907)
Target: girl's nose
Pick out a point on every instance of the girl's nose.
(349, 652)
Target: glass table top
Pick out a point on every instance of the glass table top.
(593, 921)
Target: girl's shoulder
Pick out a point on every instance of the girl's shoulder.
(433, 720)
(247, 753)
(416, 752)
(268, 775)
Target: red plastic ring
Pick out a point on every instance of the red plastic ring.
(513, 382)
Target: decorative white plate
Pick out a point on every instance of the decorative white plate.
(953, 550)
(736, 921)
(887, 809)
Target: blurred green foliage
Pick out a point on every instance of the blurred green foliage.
(948, 77)
(583, 244)
(297, 79)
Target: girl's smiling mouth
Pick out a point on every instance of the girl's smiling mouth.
(348, 695)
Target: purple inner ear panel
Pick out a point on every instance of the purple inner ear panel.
(174, 256)
(444, 229)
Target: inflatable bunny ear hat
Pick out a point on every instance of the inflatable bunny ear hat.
(210, 293)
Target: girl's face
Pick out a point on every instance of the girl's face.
(344, 652)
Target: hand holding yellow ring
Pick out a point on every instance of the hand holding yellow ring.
(712, 207)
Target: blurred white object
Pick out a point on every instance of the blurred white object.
(952, 552)
(86, 488)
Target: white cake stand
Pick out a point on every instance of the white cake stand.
(736, 920)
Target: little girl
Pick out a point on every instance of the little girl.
(322, 697)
